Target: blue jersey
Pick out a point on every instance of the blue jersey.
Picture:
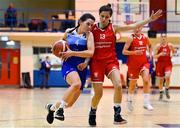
(75, 43)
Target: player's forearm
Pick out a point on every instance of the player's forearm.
(84, 54)
(127, 52)
(142, 23)
(134, 26)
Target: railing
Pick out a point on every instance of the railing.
(37, 20)
(55, 20)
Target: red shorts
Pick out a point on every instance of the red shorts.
(162, 68)
(99, 68)
(135, 69)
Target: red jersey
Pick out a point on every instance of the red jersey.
(138, 43)
(104, 40)
(167, 50)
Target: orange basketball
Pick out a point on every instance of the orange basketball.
(58, 47)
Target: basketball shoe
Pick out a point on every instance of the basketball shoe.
(167, 93)
(148, 107)
(92, 117)
(130, 106)
(50, 115)
(117, 117)
(60, 114)
(161, 95)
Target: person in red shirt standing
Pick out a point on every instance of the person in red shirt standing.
(136, 47)
(163, 53)
(105, 62)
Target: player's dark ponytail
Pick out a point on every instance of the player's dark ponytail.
(74, 28)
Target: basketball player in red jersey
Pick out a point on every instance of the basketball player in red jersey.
(136, 47)
(105, 62)
(163, 53)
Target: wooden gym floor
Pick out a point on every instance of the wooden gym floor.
(24, 108)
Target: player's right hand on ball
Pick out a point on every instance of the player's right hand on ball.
(67, 54)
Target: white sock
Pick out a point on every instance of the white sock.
(93, 107)
(161, 90)
(53, 107)
(146, 98)
(130, 97)
(63, 104)
(117, 104)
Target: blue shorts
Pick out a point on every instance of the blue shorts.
(67, 68)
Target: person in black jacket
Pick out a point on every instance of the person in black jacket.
(45, 71)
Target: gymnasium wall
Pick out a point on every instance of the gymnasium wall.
(92, 6)
(173, 19)
(29, 40)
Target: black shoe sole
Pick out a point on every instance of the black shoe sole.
(48, 120)
(90, 121)
(122, 122)
(59, 118)
(92, 125)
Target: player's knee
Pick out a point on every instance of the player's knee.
(69, 105)
(146, 82)
(167, 75)
(76, 86)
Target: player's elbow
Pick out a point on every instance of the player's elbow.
(91, 54)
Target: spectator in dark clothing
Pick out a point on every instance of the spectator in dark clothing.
(11, 16)
(37, 25)
(45, 71)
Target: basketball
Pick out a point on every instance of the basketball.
(58, 47)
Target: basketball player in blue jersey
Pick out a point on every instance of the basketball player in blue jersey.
(80, 46)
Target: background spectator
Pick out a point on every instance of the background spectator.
(37, 25)
(45, 71)
(11, 16)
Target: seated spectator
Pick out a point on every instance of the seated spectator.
(11, 16)
(37, 25)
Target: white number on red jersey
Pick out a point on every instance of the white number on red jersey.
(102, 36)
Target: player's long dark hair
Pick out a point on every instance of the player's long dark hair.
(83, 18)
(106, 8)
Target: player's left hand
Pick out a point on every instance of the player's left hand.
(156, 15)
(151, 57)
(82, 66)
